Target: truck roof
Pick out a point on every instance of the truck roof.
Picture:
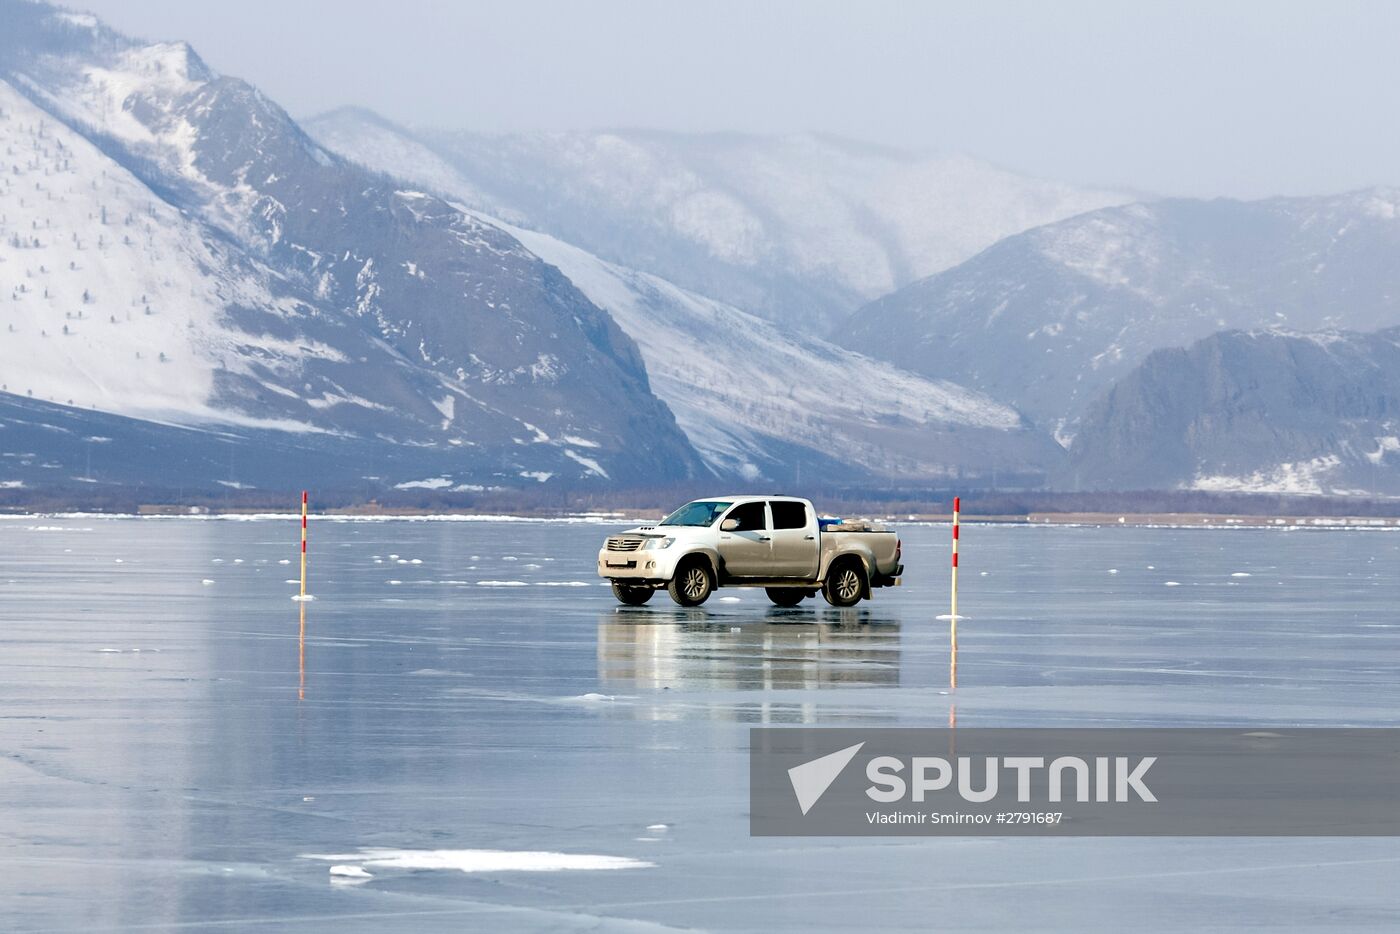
(740, 497)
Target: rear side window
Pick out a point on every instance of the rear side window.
(789, 515)
(750, 517)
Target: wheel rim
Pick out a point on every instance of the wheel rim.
(847, 584)
(695, 583)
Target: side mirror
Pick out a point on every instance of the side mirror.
(729, 525)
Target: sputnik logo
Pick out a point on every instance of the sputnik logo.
(810, 780)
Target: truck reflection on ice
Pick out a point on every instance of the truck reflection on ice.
(690, 649)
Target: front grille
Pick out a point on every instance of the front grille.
(624, 544)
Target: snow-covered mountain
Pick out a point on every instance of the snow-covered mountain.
(116, 300)
(799, 229)
(759, 403)
(1261, 411)
(756, 399)
(174, 247)
(1045, 320)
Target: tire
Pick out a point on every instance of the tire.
(844, 583)
(692, 583)
(785, 596)
(630, 595)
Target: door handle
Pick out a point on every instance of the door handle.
(764, 538)
(809, 538)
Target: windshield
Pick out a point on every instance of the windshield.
(700, 513)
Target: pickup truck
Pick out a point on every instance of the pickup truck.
(773, 542)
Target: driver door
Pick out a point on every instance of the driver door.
(747, 550)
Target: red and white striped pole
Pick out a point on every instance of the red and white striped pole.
(303, 545)
(953, 612)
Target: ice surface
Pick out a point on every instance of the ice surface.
(177, 789)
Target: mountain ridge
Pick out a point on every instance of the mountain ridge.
(757, 399)
(1263, 411)
(796, 229)
(1046, 319)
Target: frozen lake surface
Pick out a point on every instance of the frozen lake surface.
(484, 740)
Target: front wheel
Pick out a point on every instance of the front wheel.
(785, 596)
(844, 584)
(692, 584)
(632, 596)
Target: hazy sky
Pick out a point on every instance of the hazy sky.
(1243, 98)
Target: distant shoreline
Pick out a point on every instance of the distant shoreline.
(628, 517)
(1035, 507)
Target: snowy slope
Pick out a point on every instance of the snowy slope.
(285, 285)
(799, 229)
(754, 398)
(115, 301)
(754, 401)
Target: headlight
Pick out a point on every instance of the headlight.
(658, 543)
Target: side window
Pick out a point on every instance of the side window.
(750, 517)
(789, 515)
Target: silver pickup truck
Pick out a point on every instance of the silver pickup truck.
(773, 542)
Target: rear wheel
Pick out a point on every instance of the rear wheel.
(844, 584)
(630, 595)
(785, 596)
(691, 585)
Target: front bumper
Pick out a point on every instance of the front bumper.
(652, 566)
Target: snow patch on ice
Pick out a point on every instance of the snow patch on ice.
(482, 860)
